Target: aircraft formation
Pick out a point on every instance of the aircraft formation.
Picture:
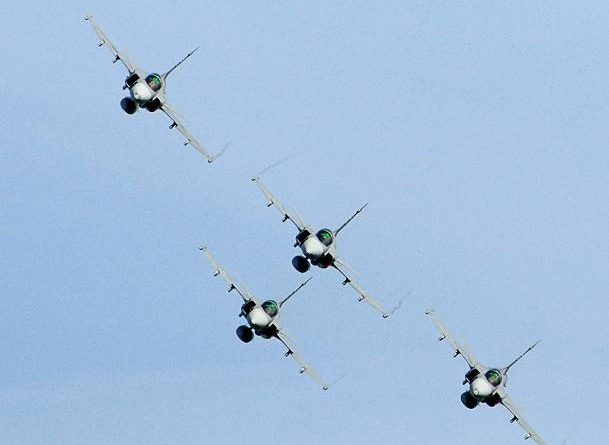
(318, 248)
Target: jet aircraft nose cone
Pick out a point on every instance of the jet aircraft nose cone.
(480, 388)
(258, 317)
(141, 93)
(313, 248)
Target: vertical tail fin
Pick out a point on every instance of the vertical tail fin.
(350, 219)
(180, 62)
(293, 292)
(507, 368)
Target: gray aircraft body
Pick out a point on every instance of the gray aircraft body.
(147, 90)
(486, 385)
(319, 248)
(263, 318)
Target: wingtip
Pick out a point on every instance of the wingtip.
(211, 159)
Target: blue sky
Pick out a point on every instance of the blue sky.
(477, 131)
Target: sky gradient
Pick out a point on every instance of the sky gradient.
(476, 131)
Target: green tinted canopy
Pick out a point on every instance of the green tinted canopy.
(493, 376)
(325, 236)
(154, 81)
(270, 307)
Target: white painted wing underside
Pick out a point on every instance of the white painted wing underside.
(304, 366)
(285, 213)
(457, 348)
(219, 270)
(104, 40)
(512, 408)
(363, 294)
(190, 139)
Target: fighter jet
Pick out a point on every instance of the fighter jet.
(262, 318)
(147, 90)
(486, 385)
(319, 248)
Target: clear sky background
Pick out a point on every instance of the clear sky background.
(478, 133)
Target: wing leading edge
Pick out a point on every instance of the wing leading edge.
(219, 270)
(518, 418)
(104, 40)
(457, 348)
(304, 366)
(285, 213)
(363, 294)
(190, 139)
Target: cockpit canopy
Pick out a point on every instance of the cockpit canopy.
(493, 376)
(154, 81)
(270, 307)
(325, 236)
